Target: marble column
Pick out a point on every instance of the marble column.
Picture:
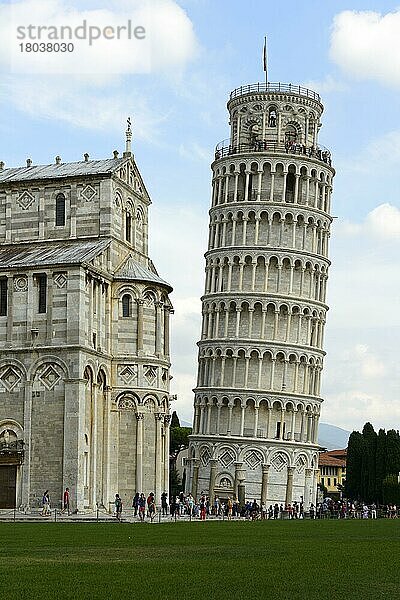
(26, 472)
(195, 477)
(289, 485)
(264, 484)
(140, 326)
(308, 488)
(139, 452)
(238, 477)
(167, 419)
(159, 458)
(213, 473)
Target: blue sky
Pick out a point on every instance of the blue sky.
(200, 50)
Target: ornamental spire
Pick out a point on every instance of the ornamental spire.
(128, 138)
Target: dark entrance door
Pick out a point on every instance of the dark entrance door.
(8, 481)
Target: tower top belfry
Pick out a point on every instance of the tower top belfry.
(257, 400)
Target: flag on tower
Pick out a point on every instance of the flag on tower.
(265, 59)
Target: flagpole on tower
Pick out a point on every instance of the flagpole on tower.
(265, 60)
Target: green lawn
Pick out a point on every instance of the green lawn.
(256, 560)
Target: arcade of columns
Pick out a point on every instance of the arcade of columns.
(257, 400)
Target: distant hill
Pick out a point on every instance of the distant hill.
(332, 437)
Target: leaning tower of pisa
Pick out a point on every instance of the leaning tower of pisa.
(257, 400)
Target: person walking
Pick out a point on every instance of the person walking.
(203, 508)
(151, 506)
(164, 504)
(142, 506)
(118, 507)
(66, 501)
(190, 502)
(230, 506)
(46, 504)
(135, 504)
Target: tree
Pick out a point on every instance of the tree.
(392, 452)
(368, 464)
(391, 490)
(175, 485)
(179, 440)
(355, 451)
(175, 420)
(380, 464)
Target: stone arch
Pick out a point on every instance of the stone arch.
(227, 455)
(15, 426)
(127, 401)
(48, 358)
(279, 460)
(252, 457)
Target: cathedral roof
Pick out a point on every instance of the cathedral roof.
(30, 255)
(72, 169)
(131, 270)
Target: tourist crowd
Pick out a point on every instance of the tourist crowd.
(187, 506)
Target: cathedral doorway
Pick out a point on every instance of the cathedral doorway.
(8, 486)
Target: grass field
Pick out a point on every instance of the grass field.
(284, 559)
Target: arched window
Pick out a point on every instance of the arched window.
(128, 226)
(291, 134)
(60, 210)
(272, 117)
(290, 187)
(126, 305)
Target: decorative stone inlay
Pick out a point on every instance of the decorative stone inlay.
(60, 279)
(127, 373)
(300, 464)
(150, 373)
(227, 457)
(50, 377)
(253, 459)
(88, 193)
(205, 457)
(10, 377)
(279, 462)
(126, 403)
(148, 301)
(20, 283)
(25, 200)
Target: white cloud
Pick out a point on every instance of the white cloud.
(168, 40)
(326, 86)
(369, 365)
(354, 407)
(361, 377)
(81, 104)
(382, 222)
(87, 88)
(385, 149)
(366, 45)
(193, 151)
(177, 244)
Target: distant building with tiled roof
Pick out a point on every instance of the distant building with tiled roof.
(84, 336)
(332, 470)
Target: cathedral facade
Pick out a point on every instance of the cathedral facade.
(257, 400)
(84, 336)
